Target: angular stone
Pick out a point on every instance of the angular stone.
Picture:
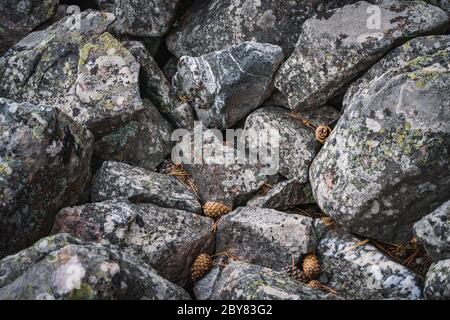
(265, 237)
(336, 46)
(225, 86)
(437, 284)
(167, 239)
(117, 180)
(387, 163)
(44, 166)
(362, 272)
(433, 232)
(65, 268)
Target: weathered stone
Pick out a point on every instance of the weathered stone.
(437, 284)
(225, 86)
(117, 180)
(387, 162)
(336, 46)
(19, 18)
(44, 166)
(144, 142)
(433, 232)
(362, 272)
(65, 268)
(167, 239)
(265, 237)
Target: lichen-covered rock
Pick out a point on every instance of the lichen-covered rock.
(76, 66)
(167, 239)
(225, 86)
(433, 232)
(437, 284)
(362, 272)
(64, 268)
(115, 180)
(44, 166)
(265, 237)
(243, 281)
(336, 46)
(298, 144)
(387, 162)
(284, 195)
(214, 25)
(18, 18)
(144, 142)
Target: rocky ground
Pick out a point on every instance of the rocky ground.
(94, 206)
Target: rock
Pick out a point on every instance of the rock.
(64, 268)
(362, 272)
(144, 142)
(284, 195)
(214, 25)
(336, 46)
(437, 284)
(298, 144)
(44, 166)
(433, 232)
(156, 88)
(387, 165)
(265, 237)
(117, 180)
(169, 240)
(19, 18)
(80, 69)
(225, 86)
(243, 281)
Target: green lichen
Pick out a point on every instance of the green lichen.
(408, 140)
(84, 53)
(85, 292)
(38, 133)
(3, 170)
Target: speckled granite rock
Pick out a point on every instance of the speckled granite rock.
(387, 164)
(225, 86)
(265, 237)
(362, 272)
(214, 25)
(335, 47)
(18, 18)
(117, 180)
(44, 166)
(65, 268)
(243, 281)
(437, 284)
(298, 144)
(167, 239)
(433, 232)
(144, 142)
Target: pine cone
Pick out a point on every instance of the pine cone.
(215, 210)
(296, 274)
(311, 266)
(322, 133)
(315, 284)
(201, 265)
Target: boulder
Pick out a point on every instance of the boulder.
(45, 162)
(437, 284)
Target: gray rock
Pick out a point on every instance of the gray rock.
(387, 165)
(243, 281)
(44, 166)
(19, 18)
(167, 239)
(214, 25)
(225, 86)
(362, 272)
(117, 180)
(437, 285)
(65, 268)
(265, 237)
(144, 142)
(335, 47)
(433, 232)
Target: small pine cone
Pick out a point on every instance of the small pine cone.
(215, 210)
(322, 133)
(296, 274)
(311, 266)
(201, 265)
(315, 284)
